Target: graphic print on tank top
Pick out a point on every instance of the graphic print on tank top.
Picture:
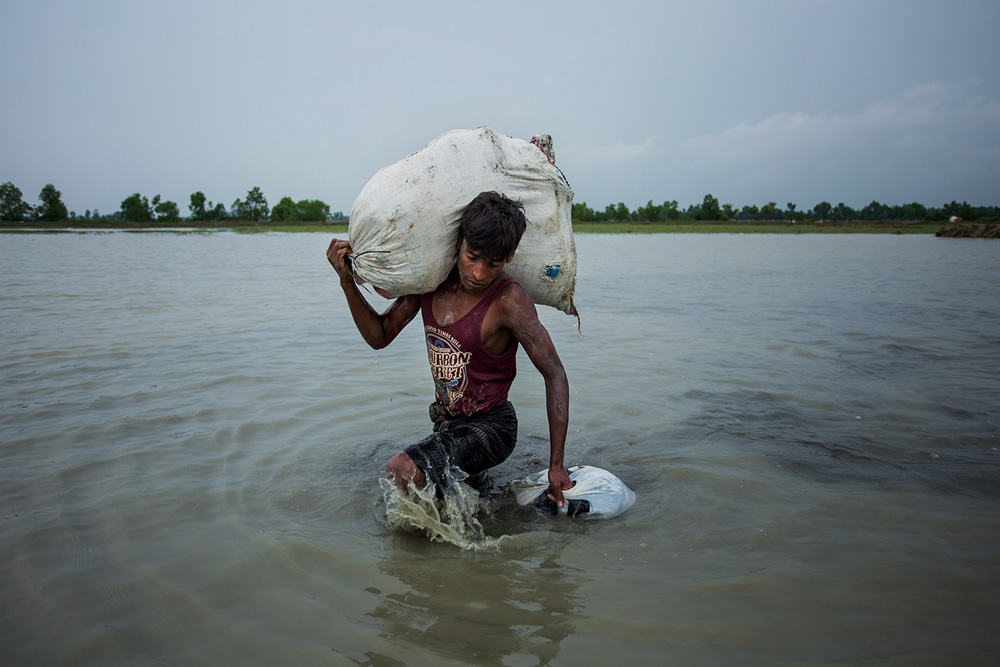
(467, 378)
(448, 364)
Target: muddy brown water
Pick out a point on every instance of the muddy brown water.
(192, 432)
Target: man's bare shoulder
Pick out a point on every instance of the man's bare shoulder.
(404, 308)
(513, 290)
(516, 306)
(409, 300)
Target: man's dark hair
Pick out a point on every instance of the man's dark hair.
(492, 225)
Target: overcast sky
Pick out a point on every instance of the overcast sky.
(750, 100)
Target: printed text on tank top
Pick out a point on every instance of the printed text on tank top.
(468, 377)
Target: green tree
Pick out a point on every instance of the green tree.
(874, 211)
(306, 210)
(823, 210)
(167, 211)
(200, 210)
(914, 211)
(967, 212)
(136, 208)
(770, 211)
(797, 216)
(197, 206)
(582, 213)
(51, 208)
(254, 208)
(284, 210)
(312, 210)
(650, 212)
(843, 212)
(671, 210)
(710, 209)
(12, 206)
(954, 208)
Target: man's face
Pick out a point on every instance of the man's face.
(476, 270)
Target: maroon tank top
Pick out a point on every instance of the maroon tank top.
(467, 378)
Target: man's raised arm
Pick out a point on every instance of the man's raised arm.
(377, 330)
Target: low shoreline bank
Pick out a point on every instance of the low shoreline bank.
(729, 227)
(765, 227)
(970, 230)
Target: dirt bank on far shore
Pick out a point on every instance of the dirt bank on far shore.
(970, 230)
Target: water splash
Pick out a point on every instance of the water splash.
(452, 519)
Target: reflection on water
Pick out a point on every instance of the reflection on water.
(484, 611)
(192, 435)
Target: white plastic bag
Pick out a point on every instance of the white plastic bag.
(606, 495)
(404, 224)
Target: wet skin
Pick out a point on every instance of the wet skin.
(511, 316)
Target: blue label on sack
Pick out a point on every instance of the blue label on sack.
(551, 271)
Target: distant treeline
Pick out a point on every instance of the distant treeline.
(138, 208)
(254, 208)
(669, 211)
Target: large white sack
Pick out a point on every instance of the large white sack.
(404, 224)
(606, 495)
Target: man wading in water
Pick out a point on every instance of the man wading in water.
(473, 323)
